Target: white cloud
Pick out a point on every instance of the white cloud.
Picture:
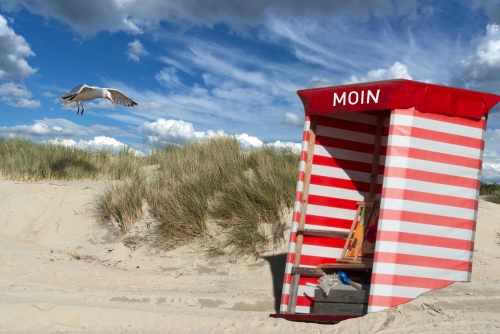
(177, 132)
(396, 71)
(48, 94)
(17, 95)
(293, 120)
(133, 16)
(483, 66)
(168, 77)
(169, 131)
(135, 50)
(98, 143)
(14, 49)
(58, 127)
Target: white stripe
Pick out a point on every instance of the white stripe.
(306, 290)
(325, 228)
(303, 309)
(302, 166)
(291, 247)
(372, 309)
(288, 267)
(300, 186)
(320, 251)
(296, 206)
(325, 211)
(396, 291)
(425, 229)
(445, 127)
(286, 289)
(429, 187)
(336, 192)
(416, 271)
(431, 166)
(307, 125)
(342, 154)
(434, 146)
(428, 208)
(422, 250)
(294, 227)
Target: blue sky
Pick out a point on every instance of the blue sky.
(218, 66)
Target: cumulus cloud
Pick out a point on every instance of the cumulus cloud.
(293, 120)
(170, 131)
(14, 49)
(17, 95)
(133, 16)
(492, 9)
(98, 143)
(58, 127)
(178, 131)
(396, 71)
(135, 50)
(483, 65)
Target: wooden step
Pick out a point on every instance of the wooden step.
(365, 260)
(323, 233)
(359, 266)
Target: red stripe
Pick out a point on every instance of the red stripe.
(328, 221)
(415, 282)
(284, 299)
(293, 237)
(336, 123)
(301, 176)
(422, 261)
(344, 144)
(303, 156)
(450, 159)
(442, 137)
(346, 165)
(414, 174)
(305, 301)
(473, 123)
(424, 218)
(309, 260)
(427, 240)
(387, 301)
(340, 183)
(308, 118)
(314, 240)
(305, 136)
(296, 217)
(419, 196)
(332, 202)
(290, 257)
(287, 279)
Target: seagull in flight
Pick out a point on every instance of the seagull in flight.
(84, 93)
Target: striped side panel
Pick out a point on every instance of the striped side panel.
(429, 206)
(340, 177)
(285, 294)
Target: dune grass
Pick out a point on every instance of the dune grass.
(26, 160)
(245, 193)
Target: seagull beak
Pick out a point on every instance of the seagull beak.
(112, 101)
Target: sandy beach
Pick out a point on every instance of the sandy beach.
(60, 271)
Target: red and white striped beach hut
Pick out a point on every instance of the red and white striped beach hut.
(422, 147)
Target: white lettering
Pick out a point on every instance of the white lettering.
(353, 97)
(357, 97)
(375, 99)
(336, 99)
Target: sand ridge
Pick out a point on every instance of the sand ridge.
(62, 272)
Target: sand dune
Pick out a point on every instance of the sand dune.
(60, 271)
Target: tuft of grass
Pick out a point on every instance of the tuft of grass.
(22, 159)
(121, 202)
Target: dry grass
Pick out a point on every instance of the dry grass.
(26, 160)
(246, 193)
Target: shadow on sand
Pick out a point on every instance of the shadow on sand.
(277, 265)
